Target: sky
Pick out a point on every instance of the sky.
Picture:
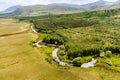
(4, 4)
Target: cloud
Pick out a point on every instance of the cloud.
(24, 2)
(111, 0)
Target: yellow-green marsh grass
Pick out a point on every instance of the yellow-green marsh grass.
(10, 26)
(20, 61)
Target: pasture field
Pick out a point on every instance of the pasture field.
(10, 26)
(20, 61)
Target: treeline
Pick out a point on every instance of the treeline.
(53, 39)
(49, 23)
(74, 51)
(89, 14)
(53, 24)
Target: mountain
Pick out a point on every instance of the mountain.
(64, 4)
(59, 8)
(12, 8)
(45, 9)
(101, 4)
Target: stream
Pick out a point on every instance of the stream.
(56, 58)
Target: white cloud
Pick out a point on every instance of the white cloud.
(110, 0)
(26, 2)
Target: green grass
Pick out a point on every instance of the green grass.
(92, 36)
(20, 61)
(87, 31)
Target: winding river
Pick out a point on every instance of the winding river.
(56, 58)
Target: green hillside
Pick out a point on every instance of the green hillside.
(37, 10)
(58, 8)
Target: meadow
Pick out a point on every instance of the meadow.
(83, 35)
(19, 60)
(87, 31)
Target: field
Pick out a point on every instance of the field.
(20, 61)
(9, 27)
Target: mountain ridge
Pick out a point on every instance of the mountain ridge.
(12, 8)
(63, 8)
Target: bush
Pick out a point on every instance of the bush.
(102, 54)
(62, 47)
(86, 59)
(80, 60)
(77, 61)
(108, 54)
(113, 49)
(49, 60)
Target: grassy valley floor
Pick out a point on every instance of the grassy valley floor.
(20, 61)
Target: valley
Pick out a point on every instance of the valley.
(20, 61)
(60, 41)
(81, 37)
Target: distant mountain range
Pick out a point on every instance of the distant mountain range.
(101, 4)
(59, 8)
(12, 8)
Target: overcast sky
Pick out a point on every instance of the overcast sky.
(7, 3)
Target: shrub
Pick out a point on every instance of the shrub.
(86, 59)
(102, 54)
(49, 60)
(62, 47)
(77, 61)
(108, 54)
(114, 49)
(80, 60)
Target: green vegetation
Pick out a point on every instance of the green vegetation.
(53, 39)
(20, 61)
(82, 36)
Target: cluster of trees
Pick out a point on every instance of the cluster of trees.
(64, 23)
(53, 39)
(74, 51)
(49, 23)
(113, 49)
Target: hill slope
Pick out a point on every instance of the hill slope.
(101, 4)
(44, 9)
(20, 61)
(12, 8)
(60, 8)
